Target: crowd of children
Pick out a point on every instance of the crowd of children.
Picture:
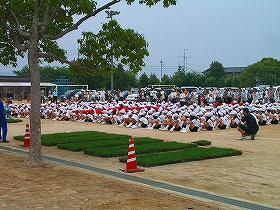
(164, 116)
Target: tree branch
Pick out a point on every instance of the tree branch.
(18, 29)
(17, 43)
(73, 63)
(79, 22)
(48, 18)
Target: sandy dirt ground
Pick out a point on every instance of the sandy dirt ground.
(253, 176)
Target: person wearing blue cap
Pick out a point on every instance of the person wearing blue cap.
(3, 123)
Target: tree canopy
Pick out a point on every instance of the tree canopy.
(98, 51)
(32, 28)
(215, 74)
(265, 71)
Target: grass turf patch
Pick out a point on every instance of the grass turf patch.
(79, 146)
(140, 148)
(13, 120)
(80, 136)
(193, 154)
(202, 142)
(151, 152)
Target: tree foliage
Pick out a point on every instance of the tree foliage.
(32, 28)
(143, 80)
(166, 80)
(217, 71)
(153, 79)
(265, 71)
(98, 51)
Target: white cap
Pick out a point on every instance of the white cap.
(193, 114)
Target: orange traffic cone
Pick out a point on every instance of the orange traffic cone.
(26, 141)
(131, 165)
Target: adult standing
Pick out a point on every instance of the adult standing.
(277, 94)
(243, 95)
(265, 95)
(270, 93)
(102, 96)
(172, 96)
(55, 93)
(9, 96)
(43, 97)
(50, 95)
(248, 125)
(3, 123)
(184, 96)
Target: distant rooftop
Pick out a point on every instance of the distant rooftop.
(17, 79)
(230, 70)
(235, 69)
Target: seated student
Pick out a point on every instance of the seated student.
(208, 123)
(167, 122)
(154, 122)
(143, 121)
(126, 120)
(248, 125)
(129, 120)
(185, 118)
(64, 116)
(175, 123)
(234, 120)
(118, 117)
(272, 117)
(134, 121)
(262, 118)
(194, 122)
(222, 120)
(106, 118)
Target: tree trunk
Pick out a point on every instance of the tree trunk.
(35, 154)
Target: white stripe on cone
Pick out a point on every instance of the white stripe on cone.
(131, 153)
(131, 160)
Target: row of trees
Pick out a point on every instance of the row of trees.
(266, 71)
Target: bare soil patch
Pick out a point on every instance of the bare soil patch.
(253, 176)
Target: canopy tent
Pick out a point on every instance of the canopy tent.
(20, 86)
(25, 84)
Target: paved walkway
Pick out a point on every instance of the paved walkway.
(153, 183)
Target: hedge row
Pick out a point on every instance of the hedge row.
(79, 146)
(194, 154)
(140, 149)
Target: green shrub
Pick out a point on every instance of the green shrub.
(194, 154)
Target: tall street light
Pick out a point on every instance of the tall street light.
(110, 15)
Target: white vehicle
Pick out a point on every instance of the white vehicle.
(133, 96)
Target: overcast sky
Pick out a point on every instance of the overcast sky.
(194, 33)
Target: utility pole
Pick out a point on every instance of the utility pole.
(185, 57)
(110, 15)
(161, 65)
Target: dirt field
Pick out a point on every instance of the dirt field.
(254, 176)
